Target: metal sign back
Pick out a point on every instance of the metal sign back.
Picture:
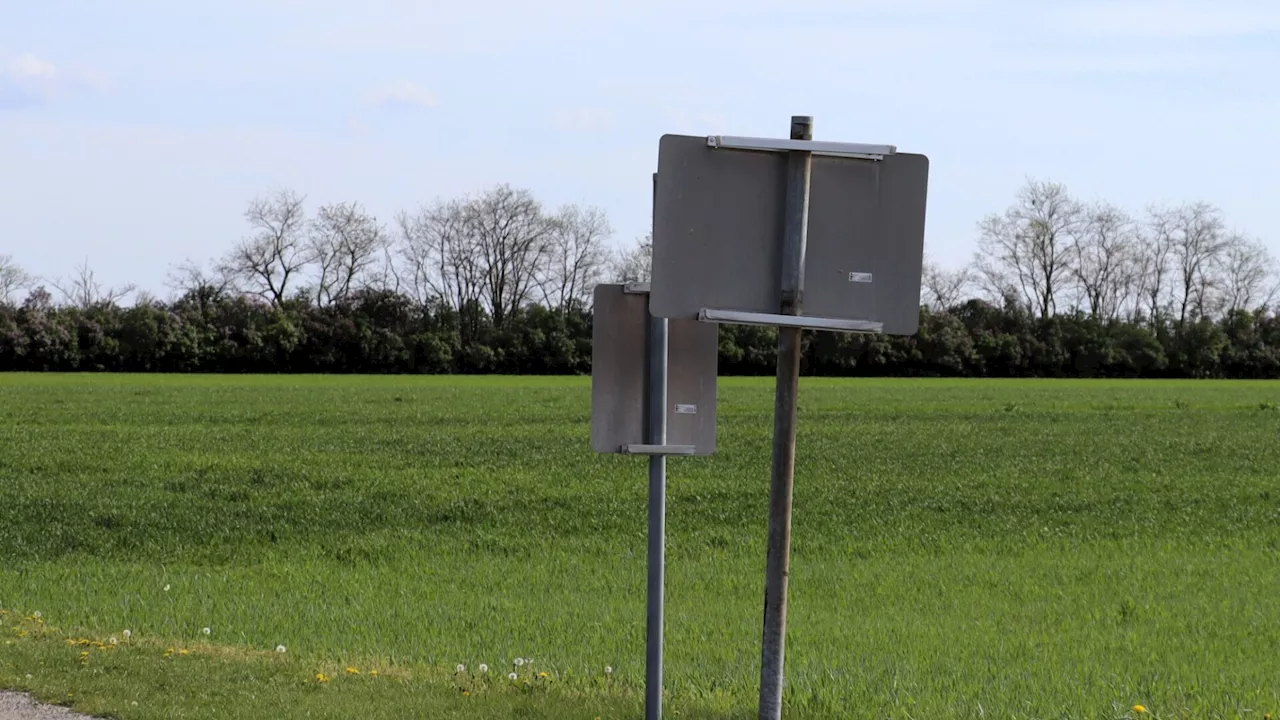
(718, 223)
(619, 377)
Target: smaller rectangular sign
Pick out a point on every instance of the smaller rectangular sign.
(619, 375)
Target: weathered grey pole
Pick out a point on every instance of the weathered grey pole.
(657, 513)
(795, 234)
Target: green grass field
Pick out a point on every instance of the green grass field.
(1012, 549)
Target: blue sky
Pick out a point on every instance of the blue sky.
(133, 132)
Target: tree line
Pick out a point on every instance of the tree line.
(499, 283)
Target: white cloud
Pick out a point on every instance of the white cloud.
(28, 80)
(403, 93)
(584, 119)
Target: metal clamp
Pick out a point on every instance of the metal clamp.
(740, 317)
(658, 449)
(863, 151)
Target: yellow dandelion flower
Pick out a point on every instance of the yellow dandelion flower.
(184, 651)
(466, 693)
(321, 677)
(543, 674)
(1139, 709)
(1266, 716)
(375, 674)
(352, 671)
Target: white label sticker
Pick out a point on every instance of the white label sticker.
(859, 277)
(686, 409)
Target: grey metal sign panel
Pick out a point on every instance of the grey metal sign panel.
(718, 223)
(619, 376)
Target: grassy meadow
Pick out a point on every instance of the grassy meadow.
(961, 549)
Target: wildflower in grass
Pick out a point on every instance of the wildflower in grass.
(543, 674)
(322, 678)
(373, 673)
(127, 634)
(352, 671)
(281, 648)
(206, 631)
(1139, 709)
(462, 668)
(466, 693)
(512, 677)
(518, 661)
(608, 670)
(483, 668)
(28, 676)
(168, 652)
(184, 651)
(166, 588)
(113, 640)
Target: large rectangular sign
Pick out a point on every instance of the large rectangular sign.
(718, 225)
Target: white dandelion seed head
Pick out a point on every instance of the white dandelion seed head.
(528, 661)
(519, 662)
(608, 670)
(484, 668)
(128, 634)
(28, 676)
(166, 588)
(135, 703)
(206, 631)
(280, 648)
(37, 614)
(113, 640)
(512, 676)
(462, 668)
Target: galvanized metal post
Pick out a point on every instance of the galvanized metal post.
(784, 425)
(657, 513)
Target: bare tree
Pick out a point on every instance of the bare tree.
(1246, 271)
(512, 235)
(1196, 238)
(387, 274)
(205, 286)
(635, 263)
(1026, 252)
(942, 288)
(12, 278)
(345, 243)
(276, 253)
(1154, 264)
(83, 290)
(576, 255)
(440, 255)
(1103, 259)
(189, 275)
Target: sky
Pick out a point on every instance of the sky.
(133, 133)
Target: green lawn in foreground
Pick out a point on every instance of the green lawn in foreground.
(961, 549)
